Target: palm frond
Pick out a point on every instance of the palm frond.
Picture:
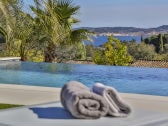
(66, 10)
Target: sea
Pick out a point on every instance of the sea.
(100, 40)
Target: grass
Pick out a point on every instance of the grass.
(6, 106)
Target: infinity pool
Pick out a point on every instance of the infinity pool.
(153, 81)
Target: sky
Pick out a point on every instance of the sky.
(127, 13)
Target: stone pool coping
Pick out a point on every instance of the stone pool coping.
(31, 95)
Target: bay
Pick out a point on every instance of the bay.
(100, 40)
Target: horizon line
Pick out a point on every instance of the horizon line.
(119, 26)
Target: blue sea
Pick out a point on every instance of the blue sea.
(100, 40)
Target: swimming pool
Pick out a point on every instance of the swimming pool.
(152, 81)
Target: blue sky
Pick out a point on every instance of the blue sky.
(136, 13)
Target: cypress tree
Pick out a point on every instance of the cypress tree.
(142, 40)
(161, 49)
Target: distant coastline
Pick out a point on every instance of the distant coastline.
(127, 31)
(115, 34)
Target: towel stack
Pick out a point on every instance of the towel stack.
(85, 104)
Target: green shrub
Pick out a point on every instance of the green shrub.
(113, 53)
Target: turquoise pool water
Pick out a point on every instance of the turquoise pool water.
(153, 81)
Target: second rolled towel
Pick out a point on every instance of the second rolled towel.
(117, 106)
(81, 102)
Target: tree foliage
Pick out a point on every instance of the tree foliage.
(159, 41)
(98, 56)
(141, 50)
(114, 53)
(8, 11)
(161, 48)
(3, 34)
(56, 18)
(47, 32)
(18, 27)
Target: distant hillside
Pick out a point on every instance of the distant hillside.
(129, 30)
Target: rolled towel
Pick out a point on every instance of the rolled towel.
(117, 106)
(81, 102)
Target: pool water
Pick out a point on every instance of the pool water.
(152, 81)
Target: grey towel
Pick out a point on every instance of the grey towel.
(117, 106)
(81, 102)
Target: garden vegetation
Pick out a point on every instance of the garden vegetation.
(43, 32)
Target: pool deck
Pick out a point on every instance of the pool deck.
(31, 95)
(44, 109)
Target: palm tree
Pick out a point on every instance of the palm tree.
(24, 38)
(48, 30)
(54, 19)
(66, 11)
(7, 20)
(17, 28)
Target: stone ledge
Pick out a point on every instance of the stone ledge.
(10, 58)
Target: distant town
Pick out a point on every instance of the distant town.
(128, 31)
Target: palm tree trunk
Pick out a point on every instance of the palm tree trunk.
(49, 55)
